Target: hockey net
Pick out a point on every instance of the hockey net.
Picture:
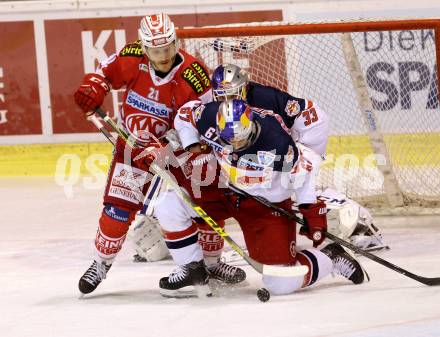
(378, 81)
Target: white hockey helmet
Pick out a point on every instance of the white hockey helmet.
(156, 30)
(229, 82)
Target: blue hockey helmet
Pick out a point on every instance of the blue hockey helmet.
(235, 124)
(229, 81)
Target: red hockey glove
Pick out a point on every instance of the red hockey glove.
(156, 153)
(315, 222)
(91, 92)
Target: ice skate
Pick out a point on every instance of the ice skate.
(226, 273)
(190, 280)
(344, 264)
(93, 277)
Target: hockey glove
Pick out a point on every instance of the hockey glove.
(315, 222)
(157, 153)
(91, 92)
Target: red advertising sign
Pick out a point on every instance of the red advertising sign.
(73, 47)
(19, 96)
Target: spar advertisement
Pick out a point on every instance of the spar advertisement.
(68, 48)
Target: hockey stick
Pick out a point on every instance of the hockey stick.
(429, 281)
(105, 132)
(283, 271)
(121, 132)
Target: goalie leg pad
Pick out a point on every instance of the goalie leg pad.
(112, 230)
(147, 239)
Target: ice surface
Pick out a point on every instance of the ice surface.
(46, 245)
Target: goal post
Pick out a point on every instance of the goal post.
(377, 80)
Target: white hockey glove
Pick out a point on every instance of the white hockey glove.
(147, 239)
(173, 139)
(350, 221)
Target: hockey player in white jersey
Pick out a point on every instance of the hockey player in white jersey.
(308, 125)
(257, 153)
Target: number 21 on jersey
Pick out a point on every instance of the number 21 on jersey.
(153, 94)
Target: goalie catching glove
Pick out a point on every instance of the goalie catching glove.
(350, 221)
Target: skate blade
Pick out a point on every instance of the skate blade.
(203, 291)
(187, 292)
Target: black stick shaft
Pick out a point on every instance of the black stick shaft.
(430, 281)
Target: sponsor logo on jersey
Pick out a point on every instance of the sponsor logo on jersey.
(133, 49)
(142, 126)
(198, 112)
(144, 104)
(193, 80)
(210, 241)
(108, 246)
(202, 74)
(127, 183)
(116, 213)
(292, 108)
(215, 146)
(247, 164)
(265, 158)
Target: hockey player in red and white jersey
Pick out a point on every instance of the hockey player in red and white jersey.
(158, 78)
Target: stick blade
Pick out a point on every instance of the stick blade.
(430, 281)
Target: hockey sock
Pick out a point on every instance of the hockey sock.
(112, 230)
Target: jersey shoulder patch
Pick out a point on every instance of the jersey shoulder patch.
(133, 49)
(196, 76)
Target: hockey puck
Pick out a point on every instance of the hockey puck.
(263, 295)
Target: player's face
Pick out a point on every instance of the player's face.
(162, 58)
(239, 144)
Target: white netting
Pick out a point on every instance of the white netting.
(398, 70)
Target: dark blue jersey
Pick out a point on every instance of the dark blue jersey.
(259, 167)
(280, 102)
